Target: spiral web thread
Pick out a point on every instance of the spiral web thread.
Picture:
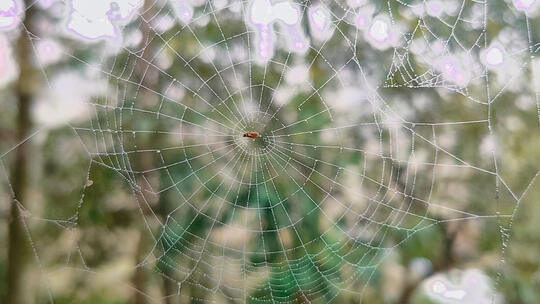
(238, 225)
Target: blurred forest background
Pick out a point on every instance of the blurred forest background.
(123, 166)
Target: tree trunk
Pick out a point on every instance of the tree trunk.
(18, 246)
(446, 262)
(148, 76)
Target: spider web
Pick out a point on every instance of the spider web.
(342, 174)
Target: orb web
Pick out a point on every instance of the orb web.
(340, 173)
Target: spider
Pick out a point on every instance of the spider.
(252, 134)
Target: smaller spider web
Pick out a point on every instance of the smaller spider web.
(444, 51)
